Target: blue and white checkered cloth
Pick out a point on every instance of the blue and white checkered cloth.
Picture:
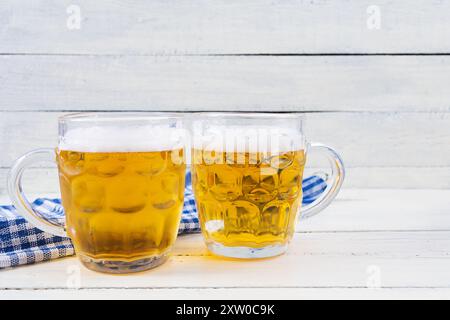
(21, 243)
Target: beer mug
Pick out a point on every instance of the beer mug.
(122, 181)
(247, 173)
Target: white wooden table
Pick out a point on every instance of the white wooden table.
(368, 244)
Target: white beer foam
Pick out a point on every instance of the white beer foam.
(253, 139)
(122, 139)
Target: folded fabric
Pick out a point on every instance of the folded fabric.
(21, 243)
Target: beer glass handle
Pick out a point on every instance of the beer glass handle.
(15, 190)
(337, 178)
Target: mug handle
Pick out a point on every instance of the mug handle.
(337, 178)
(15, 190)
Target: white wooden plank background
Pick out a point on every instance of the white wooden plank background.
(232, 27)
(225, 55)
(320, 83)
(392, 137)
(379, 149)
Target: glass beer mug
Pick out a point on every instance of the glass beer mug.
(122, 186)
(247, 173)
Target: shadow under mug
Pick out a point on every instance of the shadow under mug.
(247, 171)
(122, 181)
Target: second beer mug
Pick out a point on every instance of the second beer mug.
(247, 179)
(122, 187)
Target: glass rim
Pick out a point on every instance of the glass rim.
(119, 115)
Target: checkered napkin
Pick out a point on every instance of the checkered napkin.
(21, 243)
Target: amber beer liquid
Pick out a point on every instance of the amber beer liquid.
(122, 206)
(247, 199)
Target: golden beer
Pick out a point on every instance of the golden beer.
(122, 206)
(248, 199)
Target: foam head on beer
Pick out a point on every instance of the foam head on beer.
(122, 139)
(254, 140)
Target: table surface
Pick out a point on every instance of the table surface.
(370, 243)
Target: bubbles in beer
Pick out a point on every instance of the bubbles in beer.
(200, 179)
(259, 184)
(128, 194)
(170, 183)
(106, 169)
(168, 190)
(249, 204)
(123, 205)
(276, 214)
(279, 161)
(225, 183)
(152, 164)
(241, 216)
(290, 183)
(164, 205)
(250, 179)
(88, 195)
(268, 180)
(75, 163)
(247, 182)
(214, 209)
(260, 195)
